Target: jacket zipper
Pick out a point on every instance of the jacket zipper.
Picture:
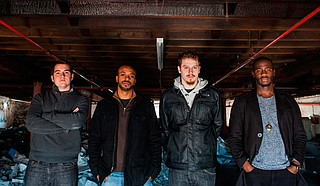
(115, 142)
(116, 138)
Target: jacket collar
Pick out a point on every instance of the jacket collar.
(137, 97)
(56, 90)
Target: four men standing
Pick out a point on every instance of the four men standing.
(267, 137)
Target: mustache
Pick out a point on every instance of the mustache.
(126, 82)
(191, 75)
(265, 77)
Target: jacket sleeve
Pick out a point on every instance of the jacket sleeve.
(235, 140)
(164, 122)
(73, 120)
(218, 117)
(299, 134)
(155, 142)
(35, 123)
(95, 140)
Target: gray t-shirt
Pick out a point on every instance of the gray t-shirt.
(271, 154)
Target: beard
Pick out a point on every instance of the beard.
(125, 88)
(191, 82)
(190, 79)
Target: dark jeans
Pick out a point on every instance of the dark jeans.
(204, 177)
(51, 174)
(258, 177)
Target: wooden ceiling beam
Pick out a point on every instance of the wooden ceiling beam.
(164, 23)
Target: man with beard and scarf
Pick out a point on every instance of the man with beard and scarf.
(125, 136)
(267, 137)
(191, 115)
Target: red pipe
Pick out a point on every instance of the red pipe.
(270, 44)
(44, 50)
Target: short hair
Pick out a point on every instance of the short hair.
(188, 54)
(261, 59)
(62, 63)
(128, 66)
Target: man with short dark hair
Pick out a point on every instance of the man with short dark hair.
(54, 120)
(267, 138)
(124, 136)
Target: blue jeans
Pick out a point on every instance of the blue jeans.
(53, 174)
(204, 177)
(117, 179)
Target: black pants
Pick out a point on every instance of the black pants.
(258, 177)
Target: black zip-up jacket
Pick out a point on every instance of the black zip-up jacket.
(55, 127)
(143, 149)
(191, 133)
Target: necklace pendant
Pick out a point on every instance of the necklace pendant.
(269, 127)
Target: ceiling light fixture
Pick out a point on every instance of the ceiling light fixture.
(160, 53)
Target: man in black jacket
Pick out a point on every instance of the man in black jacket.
(191, 115)
(125, 136)
(54, 120)
(267, 138)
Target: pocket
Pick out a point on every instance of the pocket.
(148, 183)
(254, 169)
(137, 174)
(203, 112)
(106, 180)
(68, 166)
(210, 171)
(300, 180)
(288, 171)
(242, 179)
(140, 169)
(177, 113)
